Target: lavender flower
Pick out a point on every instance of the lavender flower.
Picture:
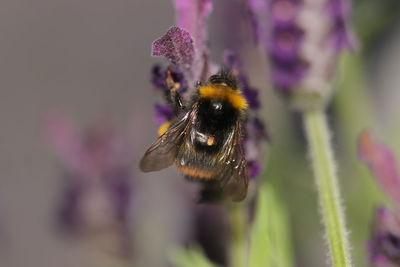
(303, 45)
(176, 45)
(184, 45)
(192, 16)
(185, 48)
(384, 244)
(97, 190)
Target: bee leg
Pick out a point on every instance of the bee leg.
(174, 96)
(177, 100)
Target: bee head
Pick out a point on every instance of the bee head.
(223, 88)
(224, 77)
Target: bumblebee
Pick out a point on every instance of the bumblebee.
(204, 142)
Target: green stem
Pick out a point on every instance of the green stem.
(238, 241)
(328, 189)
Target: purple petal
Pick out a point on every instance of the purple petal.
(381, 162)
(192, 15)
(179, 78)
(287, 76)
(285, 43)
(259, 129)
(283, 12)
(342, 34)
(163, 113)
(253, 168)
(384, 244)
(285, 40)
(255, 136)
(251, 95)
(177, 46)
(158, 78)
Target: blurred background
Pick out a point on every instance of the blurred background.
(88, 63)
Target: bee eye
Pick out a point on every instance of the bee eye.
(217, 106)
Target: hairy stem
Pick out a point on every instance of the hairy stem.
(327, 184)
(238, 249)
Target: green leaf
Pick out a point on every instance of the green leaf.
(189, 257)
(269, 236)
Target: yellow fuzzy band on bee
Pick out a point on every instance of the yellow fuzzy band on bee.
(222, 91)
(163, 128)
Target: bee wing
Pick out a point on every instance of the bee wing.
(236, 185)
(233, 174)
(162, 152)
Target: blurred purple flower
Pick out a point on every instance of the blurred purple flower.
(163, 113)
(304, 41)
(255, 138)
(253, 168)
(97, 190)
(384, 244)
(342, 35)
(382, 163)
(285, 39)
(260, 132)
(251, 94)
